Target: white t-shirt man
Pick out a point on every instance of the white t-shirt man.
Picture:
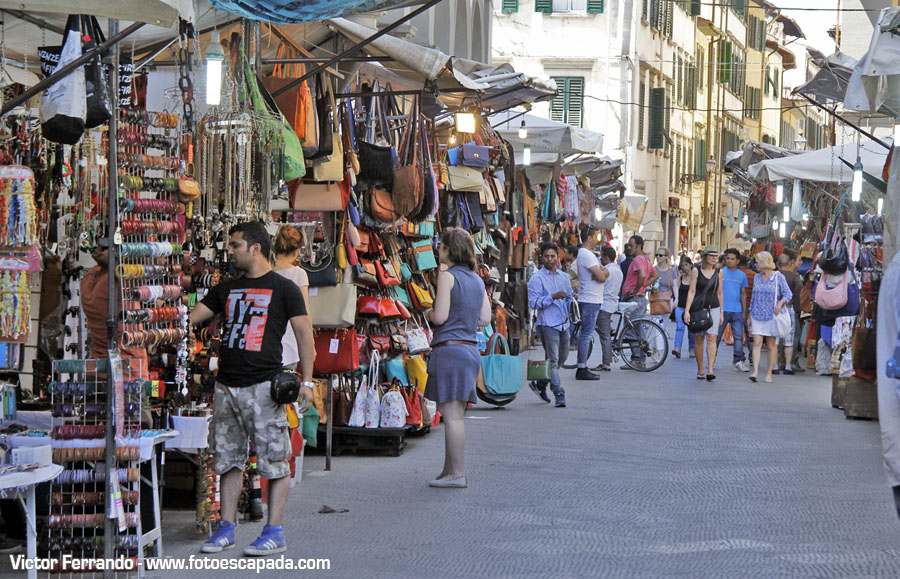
(611, 291)
(591, 291)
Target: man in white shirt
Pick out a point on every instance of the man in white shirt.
(610, 304)
(590, 297)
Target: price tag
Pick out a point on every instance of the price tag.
(333, 346)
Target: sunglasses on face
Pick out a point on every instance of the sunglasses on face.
(661, 255)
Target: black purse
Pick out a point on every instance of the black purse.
(284, 388)
(835, 260)
(324, 110)
(701, 320)
(323, 273)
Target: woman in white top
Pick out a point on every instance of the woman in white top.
(287, 250)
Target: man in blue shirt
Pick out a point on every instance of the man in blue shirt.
(734, 294)
(549, 295)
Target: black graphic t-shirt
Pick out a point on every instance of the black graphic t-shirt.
(256, 312)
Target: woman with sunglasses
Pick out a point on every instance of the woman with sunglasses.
(667, 283)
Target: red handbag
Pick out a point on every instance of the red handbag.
(367, 306)
(337, 351)
(387, 308)
(404, 313)
(366, 273)
(413, 408)
(387, 274)
(381, 343)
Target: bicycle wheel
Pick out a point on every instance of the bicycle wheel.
(644, 346)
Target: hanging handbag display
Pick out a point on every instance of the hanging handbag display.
(367, 306)
(417, 372)
(63, 107)
(381, 206)
(399, 293)
(417, 341)
(295, 103)
(465, 179)
(334, 306)
(394, 370)
(337, 351)
(422, 298)
(406, 190)
(424, 255)
(322, 273)
(475, 156)
(386, 273)
(324, 110)
(833, 298)
(835, 261)
(502, 373)
(376, 161)
(387, 309)
(862, 343)
(380, 343)
(312, 196)
(366, 273)
(99, 103)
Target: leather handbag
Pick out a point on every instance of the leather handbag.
(337, 351)
(465, 179)
(381, 343)
(398, 343)
(331, 168)
(394, 370)
(297, 102)
(422, 298)
(413, 408)
(333, 307)
(406, 190)
(863, 347)
(502, 372)
(321, 274)
(660, 303)
(835, 261)
(538, 370)
(417, 341)
(405, 272)
(424, 255)
(475, 156)
(367, 306)
(701, 320)
(381, 206)
(364, 237)
(386, 273)
(417, 372)
(399, 293)
(366, 273)
(387, 309)
(188, 189)
(312, 196)
(325, 110)
(404, 313)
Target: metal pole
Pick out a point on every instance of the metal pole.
(64, 71)
(357, 46)
(109, 524)
(845, 121)
(258, 60)
(36, 21)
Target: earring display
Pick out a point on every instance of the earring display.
(18, 239)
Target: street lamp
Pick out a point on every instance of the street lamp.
(711, 165)
(523, 130)
(779, 192)
(800, 143)
(215, 55)
(526, 155)
(856, 188)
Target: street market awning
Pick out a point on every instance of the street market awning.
(830, 82)
(295, 11)
(875, 82)
(545, 135)
(824, 165)
(158, 12)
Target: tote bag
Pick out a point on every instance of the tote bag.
(502, 372)
(783, 319)
(64, 105)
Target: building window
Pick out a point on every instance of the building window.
(568, 105)
(545, 6)
(641, 102)
(509, 6)
(700, 68)
(700, 159)
(569, 5)
(657, 118)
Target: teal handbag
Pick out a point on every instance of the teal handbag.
(424, 254)
(394, 369)
(405, 272)
(400, 294)
(426, 228)
(502, 372)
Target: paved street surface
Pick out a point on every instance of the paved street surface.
(643, 475)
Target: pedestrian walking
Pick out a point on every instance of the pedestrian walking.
(665, 290)
(789, 347)
(640, 275)
(257, 308)
(461, 305)
(734, 306)
(705, 293)
(609, 306)
(770, 294)
(550, 294)
(685, 267)
(287, 249)
(591, 278)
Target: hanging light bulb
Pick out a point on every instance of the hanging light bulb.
(880, 205)
(747, 218)
(453, 138)
(856, 188)
(782, 230)
(775, 224)
(741, 227)
(526, 155)
(786, 216)
(215, 55)
(597, 214)
(779, 192)
(805, 217)
(523, 130)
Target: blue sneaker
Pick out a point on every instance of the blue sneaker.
(540, 390)
(271, 541)
(222, 539)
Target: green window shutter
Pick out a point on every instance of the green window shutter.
(677, 165)
(558, 104)
(641, 102)
(670, 17)
(667, 125)
(775, 83)
(679, 81)
(645, 9)
(762, 35)
(575, 102)
(751, 32)
(509, 6)
(595, 6)
(657, 118)
(655, 6)
(695, 7)
(545, 6)
(700, 159)
(738, 6)
(725, 63)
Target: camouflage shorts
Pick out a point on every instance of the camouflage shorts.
(244, 414)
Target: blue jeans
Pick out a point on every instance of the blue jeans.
(603, 328)
(589, 314)
(736, 319)
(556, 347)
(681, 330)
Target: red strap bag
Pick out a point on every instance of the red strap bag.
(337, 351)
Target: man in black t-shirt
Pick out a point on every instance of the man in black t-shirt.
(256, 309)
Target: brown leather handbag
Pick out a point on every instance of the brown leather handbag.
(381, 206)
(660, 303)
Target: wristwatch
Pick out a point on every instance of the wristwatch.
(310, 385)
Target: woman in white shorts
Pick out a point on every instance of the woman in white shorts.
(770, 293)
(706, 293)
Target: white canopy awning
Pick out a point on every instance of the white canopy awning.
(875, 81)
(545, 135)
(158, 12)
(823, 165)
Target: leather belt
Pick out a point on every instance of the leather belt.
(455, 343)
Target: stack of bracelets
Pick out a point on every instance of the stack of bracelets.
(80, 392)
(18, 236)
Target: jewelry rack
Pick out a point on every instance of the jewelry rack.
(18, 244)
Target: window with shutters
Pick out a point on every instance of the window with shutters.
(689, 160)
(568, 104)
(679, 80)
(655, 8)
(645, 9)
(671, 169)
(545, 6)
(700, 159)
(700, 67)
(740, 7)
(509, 6)
(595, 6)
(737, 76)
(678, 166)
(670, 17)
(667, 125)
(724, 63)
(695, 7)
(657, 118)
(641, 102)
(569, 5)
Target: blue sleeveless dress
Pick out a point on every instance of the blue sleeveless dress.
(453, 370)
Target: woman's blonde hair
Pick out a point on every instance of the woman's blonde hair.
(287, 240)
(764, 260)
(666, 249)
(460, 246)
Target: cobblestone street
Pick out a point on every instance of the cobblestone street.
(643, 475)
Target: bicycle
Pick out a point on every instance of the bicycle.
(642, 343)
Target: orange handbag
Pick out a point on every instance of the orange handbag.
(295, 103)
